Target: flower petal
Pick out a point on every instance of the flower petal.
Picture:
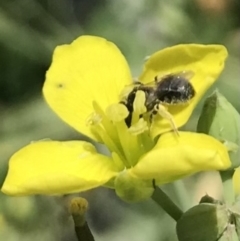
(174, 157)
(205, 61)
(52, 167)
(90, 69)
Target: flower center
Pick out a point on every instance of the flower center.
(125, 143)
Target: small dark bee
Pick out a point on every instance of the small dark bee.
(171, 89)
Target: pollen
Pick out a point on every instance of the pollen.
(139, 103)
(117, 112)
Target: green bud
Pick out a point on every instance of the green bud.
(204, 222)
(132, 189)
(222, 121)
(208, 199)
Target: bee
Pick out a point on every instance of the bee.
(170, 89)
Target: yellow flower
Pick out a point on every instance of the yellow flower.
(83, 86)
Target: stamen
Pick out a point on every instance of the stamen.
(106, 123)
(93, 119)
(106, 139)
(138, 106)
(128, 142)
(144, 141)
(139, 102)
(118, 161)
(138, 128)
(117, 112)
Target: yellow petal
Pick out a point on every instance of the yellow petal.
(205, 61)
(174, 157)
(90, 69)
(236, 181)
(52, 167)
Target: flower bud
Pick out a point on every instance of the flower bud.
(205, 221)
(222, 121)
(208, 199)
(132, 189)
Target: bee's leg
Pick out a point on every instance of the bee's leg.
(136, 81)
(153, 113)
(162, 111)
(128, 119)
(123, 102)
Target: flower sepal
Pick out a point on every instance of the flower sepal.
(132, 189)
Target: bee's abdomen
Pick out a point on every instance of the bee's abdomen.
(173, 90)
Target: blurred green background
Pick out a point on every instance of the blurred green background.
(29, 31)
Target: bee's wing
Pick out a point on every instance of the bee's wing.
(149, 84)
(128, 88)
(137, 82)
(186, 74)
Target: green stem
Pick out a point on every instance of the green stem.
(83, 233)
(228, 191)
(167, 204)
